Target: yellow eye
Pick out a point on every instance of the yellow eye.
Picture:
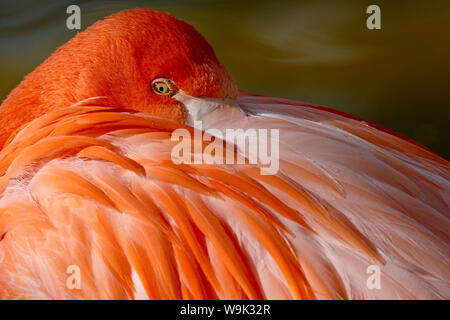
(164, 87)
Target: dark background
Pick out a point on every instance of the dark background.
(313, 50)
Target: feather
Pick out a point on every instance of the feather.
(96, 188)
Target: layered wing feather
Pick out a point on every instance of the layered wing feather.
(96, 188)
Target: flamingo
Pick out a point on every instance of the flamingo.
(87, 180)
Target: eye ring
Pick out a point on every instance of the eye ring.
(164, 87)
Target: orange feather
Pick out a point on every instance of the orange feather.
(87, 180)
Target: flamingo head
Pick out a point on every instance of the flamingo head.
(139, 59)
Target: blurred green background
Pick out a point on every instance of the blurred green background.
(313, 50)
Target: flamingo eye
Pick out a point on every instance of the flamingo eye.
(164, 87)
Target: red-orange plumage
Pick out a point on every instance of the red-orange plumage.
(92, 183)
(117, 58)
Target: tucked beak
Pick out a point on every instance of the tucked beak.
(196, 108)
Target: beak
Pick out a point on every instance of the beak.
(196, 108)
